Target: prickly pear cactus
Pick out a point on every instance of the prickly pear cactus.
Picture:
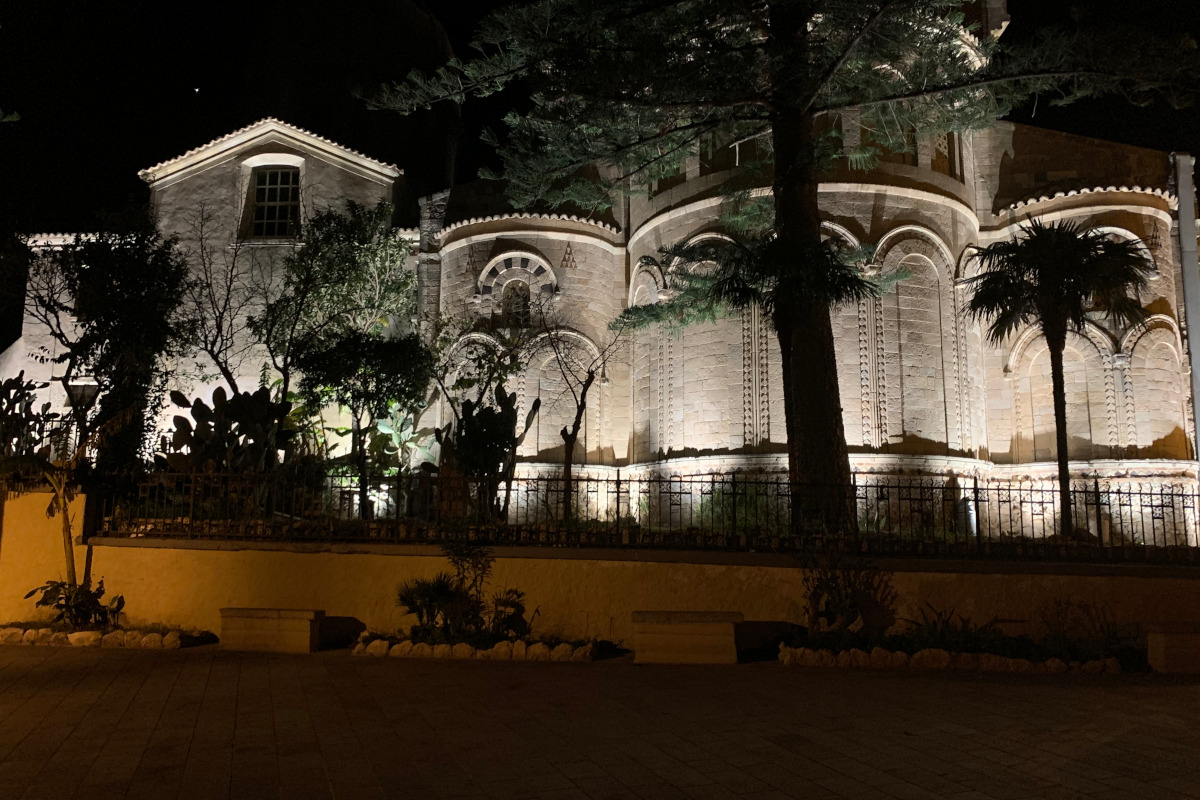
(242, 433)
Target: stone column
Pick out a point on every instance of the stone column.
(429, 256)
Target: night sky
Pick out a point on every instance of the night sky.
(106, 89)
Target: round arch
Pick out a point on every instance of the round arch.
(1092, 333)
(934, 249)
(1134, 334)
(834, 230)
(1128, 236)
(516, 265)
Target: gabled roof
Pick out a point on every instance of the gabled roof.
(263, 131)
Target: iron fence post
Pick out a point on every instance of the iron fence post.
(733, 512)
(978, 519)
(618, 505)
(192, 509)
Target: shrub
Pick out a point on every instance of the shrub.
(450, 608)
(79, 607)
(945, 630)
(857, 599)
(1079, 631)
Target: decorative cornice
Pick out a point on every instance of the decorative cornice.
(527, 215)
(1172, 200)
(248, 134)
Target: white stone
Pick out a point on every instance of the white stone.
(84, 639)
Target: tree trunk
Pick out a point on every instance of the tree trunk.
(817, 455)
(358, 442)
(68, 549)
(1057, 342)
(570, 437)
(568, 478)
(60, 492)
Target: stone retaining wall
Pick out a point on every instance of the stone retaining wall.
(579, 594)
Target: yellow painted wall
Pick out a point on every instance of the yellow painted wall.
(577, 596)
(31, 552)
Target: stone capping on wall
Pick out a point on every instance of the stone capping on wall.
(706, 557)
(1172, 200)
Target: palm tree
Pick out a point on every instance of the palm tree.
(1054, 276)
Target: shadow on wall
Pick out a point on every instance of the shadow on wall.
(1174, 445)
(340, 632)
(1041, 448)
(912, 445)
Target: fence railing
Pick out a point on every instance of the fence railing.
(1110, 520)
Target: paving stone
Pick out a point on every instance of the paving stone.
(206, 723)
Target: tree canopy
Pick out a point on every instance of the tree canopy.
(1058, 276)
(635, 86)
(109, 303)
(622, 93)
(348, 274)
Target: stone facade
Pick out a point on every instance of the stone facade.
(921, 388)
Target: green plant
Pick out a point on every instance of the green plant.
(945, 630)
(858, 598)
(79, 606)
(242, 433)
(751, 505)
(507, 618)
(450, 608)
(1081, 631)
(400, 439)
(472, 563)
(428, 598)
(23, 429)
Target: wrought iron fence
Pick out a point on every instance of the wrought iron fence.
(934, 516)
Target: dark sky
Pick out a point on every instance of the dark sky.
(108, 88)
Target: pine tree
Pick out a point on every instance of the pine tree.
(622, 91)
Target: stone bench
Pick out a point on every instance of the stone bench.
(1173, 646)
(685, 637)
(278, 630)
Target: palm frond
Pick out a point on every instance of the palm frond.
(1057, 275)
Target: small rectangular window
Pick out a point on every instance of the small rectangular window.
(274, 202)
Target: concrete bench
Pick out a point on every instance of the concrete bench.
(278, 630)
(1173, 646)
(685, 637)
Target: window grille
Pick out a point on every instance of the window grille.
(275, 202)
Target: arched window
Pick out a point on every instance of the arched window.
(514, 307)
(272, 208)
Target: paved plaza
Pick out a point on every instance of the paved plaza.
(208, 724)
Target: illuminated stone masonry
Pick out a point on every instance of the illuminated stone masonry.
(921, 390)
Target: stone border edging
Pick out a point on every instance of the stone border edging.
(932, 659)
(502, 651)
(130, 639)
